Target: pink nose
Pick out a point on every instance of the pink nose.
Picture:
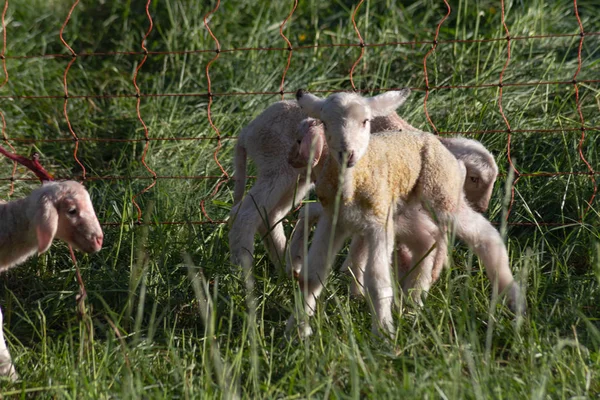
(99, 240)
(351, 161)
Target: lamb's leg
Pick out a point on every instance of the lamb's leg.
(485, 241)
(356, 263)
(421, 240)
(252, 213)
(441, 255)
(318, 267)
(378, 281)
(403, 260)
(296, 255)
(6, 366)
(274, 237)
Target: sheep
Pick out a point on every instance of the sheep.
(29, 225)
(480, 168)
(368, 181)
(280, 187)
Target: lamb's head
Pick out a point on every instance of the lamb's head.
(310, 136)
(65, 211)
(347, 119)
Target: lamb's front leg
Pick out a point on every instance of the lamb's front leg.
(378, 282)
(6, 366)
(321, 254)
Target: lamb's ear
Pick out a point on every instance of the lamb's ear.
(312, 139)
(386, 103)
(310, 103)
(299, 156)
(46, 224)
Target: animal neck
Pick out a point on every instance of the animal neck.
(332, 179)
(17, 236)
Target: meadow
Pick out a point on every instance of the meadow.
(147, 332)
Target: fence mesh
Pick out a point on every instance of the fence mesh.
(156, 149)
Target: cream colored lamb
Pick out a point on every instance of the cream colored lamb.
(481, 170)
(267, 140)
(369, 181)
(28, 226)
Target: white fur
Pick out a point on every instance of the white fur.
(270, 140)
(29, 225)
(393, 177)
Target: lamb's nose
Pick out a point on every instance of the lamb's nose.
(351, 161)
(99, 240)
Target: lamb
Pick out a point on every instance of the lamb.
(60, 210)
(481, 170)
(368, 181)
(280, 187)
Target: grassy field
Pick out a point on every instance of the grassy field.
(148, 337)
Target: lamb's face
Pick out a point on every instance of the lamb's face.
(77, 222)
(347, 119)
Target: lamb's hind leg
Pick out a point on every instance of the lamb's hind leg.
(485, 241)
(6, 366)
(249, 215)
(420, 239)
(272, 231)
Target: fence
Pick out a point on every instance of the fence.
(209, 95)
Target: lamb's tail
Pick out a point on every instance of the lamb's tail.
(240, 172)
(239, 175)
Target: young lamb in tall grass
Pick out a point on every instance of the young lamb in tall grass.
(370, 180)
(28, 226)
(481, 171)
(279, 186)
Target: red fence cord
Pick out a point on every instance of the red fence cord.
(139, 115)
(4, 136)
(289, 48)
(434, 44)
(210, 95)
(225, 176)
(578, 101)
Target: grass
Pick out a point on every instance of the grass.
(149, 286)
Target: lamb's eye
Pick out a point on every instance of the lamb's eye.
(365, 122)
(72, 211)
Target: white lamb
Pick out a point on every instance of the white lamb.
(29, 225)
(377, 178)
(481, 170)
(268, 140)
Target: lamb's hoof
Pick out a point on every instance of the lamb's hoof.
(416, 297)
(304, 330)
(356, 290)
(8, 370)
(293, 267)
(516, 300)
(241, 257)
(383, 331)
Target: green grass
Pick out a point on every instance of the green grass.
(149, 337)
